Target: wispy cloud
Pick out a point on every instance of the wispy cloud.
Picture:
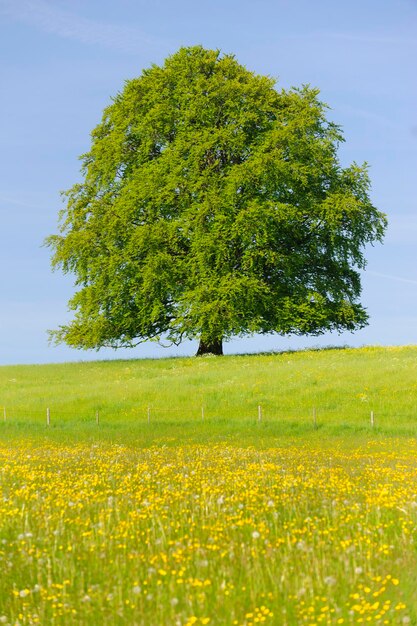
(17, 202)
(370, 116)
(368, 38)
(51, 19)
(399, 279)
(371, 38)
(402, 229)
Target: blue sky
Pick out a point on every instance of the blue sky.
(62, 60)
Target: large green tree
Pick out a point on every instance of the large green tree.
(213, 205)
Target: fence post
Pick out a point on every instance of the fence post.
(202, 413)
(48, 417)
(4, 414)
(149, 414)
(372, 419)
(314, 417)
(259, 413)
(97, 418)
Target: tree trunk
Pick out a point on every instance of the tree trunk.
(211, 346)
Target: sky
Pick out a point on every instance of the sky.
(61, 62)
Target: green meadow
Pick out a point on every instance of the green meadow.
(331, 391)
(160, 494)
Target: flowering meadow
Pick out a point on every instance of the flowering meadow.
(298, 533)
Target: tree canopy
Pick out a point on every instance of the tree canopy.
(212, 205)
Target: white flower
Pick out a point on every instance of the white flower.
(137, 590)
(255, 534)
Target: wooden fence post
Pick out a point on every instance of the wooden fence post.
(372, 419)
(259, 413)
(48, 417)
(314, 417)
(149, 414)
(4, 414)
(97, 418)
(202, 413)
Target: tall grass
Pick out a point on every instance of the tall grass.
(187, 521)
(342, 385)
(220, 535)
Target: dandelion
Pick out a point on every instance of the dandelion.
(330, 535)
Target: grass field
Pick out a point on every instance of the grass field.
(226, 520)
(343, 385)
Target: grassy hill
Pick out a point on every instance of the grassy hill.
(342, 386)
(226, 520)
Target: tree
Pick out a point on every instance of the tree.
(213, 205)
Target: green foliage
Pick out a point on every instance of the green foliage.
(213, 205)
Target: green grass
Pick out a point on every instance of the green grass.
(342, 385)
(224, 535)
(226, 520)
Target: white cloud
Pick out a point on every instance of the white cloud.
(370, 38)
(364, 37)
(18, 202)
(402, 229)
(379, 120)
(51, 19)
(399, 279)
